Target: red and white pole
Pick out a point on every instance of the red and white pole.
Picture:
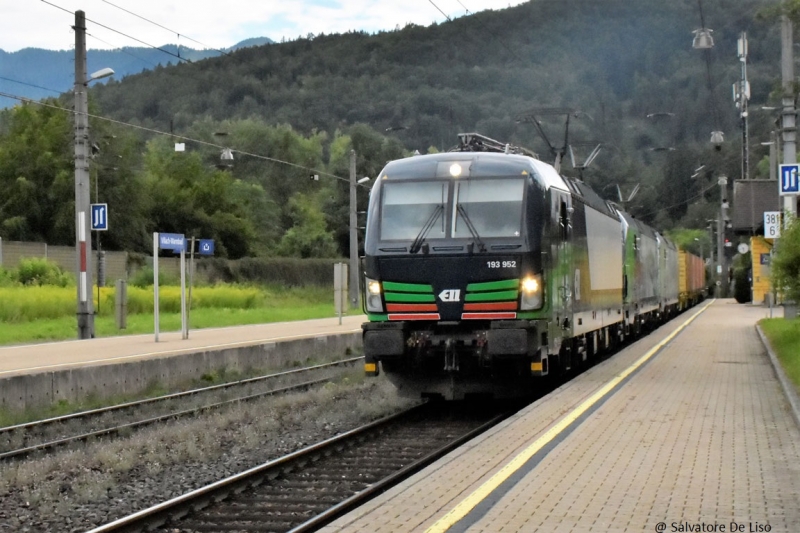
(82, 282)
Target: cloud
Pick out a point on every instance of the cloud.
(33, 23)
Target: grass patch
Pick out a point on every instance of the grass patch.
(25, 304)
(211, 307)
(784, 336)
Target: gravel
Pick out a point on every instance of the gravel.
(77, 490)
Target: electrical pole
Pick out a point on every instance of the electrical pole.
(710, 229)
(788, 126)
(354, 281)
(742, 96)
(722, 271)
(82, 216)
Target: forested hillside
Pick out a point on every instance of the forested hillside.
(309, 101)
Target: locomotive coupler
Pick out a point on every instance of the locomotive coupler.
(450, 356)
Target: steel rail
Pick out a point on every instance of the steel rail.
(21, 452)
(385, 484)
(157, 515)
(166, 397)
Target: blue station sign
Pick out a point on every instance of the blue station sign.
(171, 241)
(206, 247)
(99, 217)
(789, 180)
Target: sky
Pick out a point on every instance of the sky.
(213, 23)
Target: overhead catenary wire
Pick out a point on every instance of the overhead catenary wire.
(121, 33)
(165, 28)
(489, 33)
(440, 11)
(182, 137)
(494, 36)
(121, 49)
(685, 201)
(31, 85)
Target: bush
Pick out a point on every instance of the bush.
(284, 271)
(39, 271)
(144, 278)
(7, 278)
(786, 263)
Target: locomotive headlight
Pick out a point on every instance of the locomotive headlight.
(374, 301)
(531, 292)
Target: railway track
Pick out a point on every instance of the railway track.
(307, 489)
(22, 440)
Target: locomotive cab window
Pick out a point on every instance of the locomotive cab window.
(492, 207)
(409, 206)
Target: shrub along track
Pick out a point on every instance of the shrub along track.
(21, 440)
(309, 488)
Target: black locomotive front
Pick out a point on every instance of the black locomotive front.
(453, 267)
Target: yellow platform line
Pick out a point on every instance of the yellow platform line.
(470, 502)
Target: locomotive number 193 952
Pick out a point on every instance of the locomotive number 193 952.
(501, 264)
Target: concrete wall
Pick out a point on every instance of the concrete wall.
(18, 393)
(117, 267)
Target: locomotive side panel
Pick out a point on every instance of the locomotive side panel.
(598, 245)
(647, 271)
(668, 275)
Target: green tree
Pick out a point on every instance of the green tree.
(37, 177)
(308, 237)
(187, 196)
(117, 179)
(786, 262)
(373, 151)
(36, 168)
(691, 240)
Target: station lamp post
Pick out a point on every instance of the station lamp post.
(354, 274)
(85, 311)
(722, 222)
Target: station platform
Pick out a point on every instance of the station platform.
(36, 376)
(53, 356)
(686, 429)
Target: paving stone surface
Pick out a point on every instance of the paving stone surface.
(701, 436)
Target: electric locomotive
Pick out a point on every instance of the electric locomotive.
(486, 270)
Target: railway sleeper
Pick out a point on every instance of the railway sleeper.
(275, 496)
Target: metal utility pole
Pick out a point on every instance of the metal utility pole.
(82, 221)
(353, 283)
(741, 96)
(788, 126)
(722, 273)
(710, 228)
(773, 156)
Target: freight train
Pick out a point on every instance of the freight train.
(486, 271)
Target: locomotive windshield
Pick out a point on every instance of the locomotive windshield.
(406, 207)
(458, 209)
(493, 207)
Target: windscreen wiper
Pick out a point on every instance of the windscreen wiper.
(471, 228)
(417, 244)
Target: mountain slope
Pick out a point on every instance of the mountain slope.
(609, 58)
(53, 71)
